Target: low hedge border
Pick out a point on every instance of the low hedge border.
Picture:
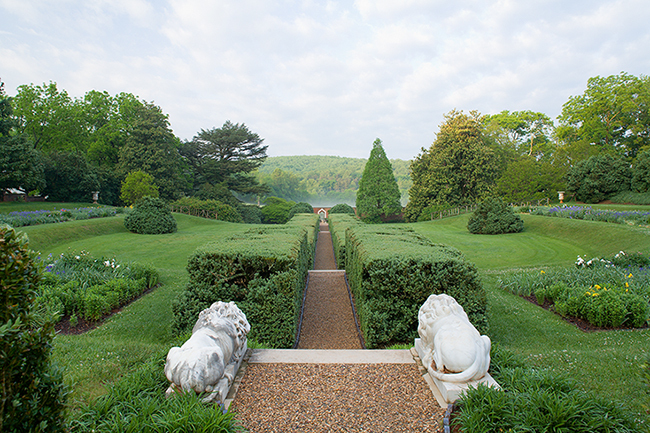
(338, 223)
(392, 271)
(263, 270)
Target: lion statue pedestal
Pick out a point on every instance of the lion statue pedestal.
(208, 362)
(455, 355)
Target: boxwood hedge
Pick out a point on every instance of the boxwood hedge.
(263, 270)
(338, 225)
(392, 271)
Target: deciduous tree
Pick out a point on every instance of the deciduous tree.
(459, 167)
(378, 197)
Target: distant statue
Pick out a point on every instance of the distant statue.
(453, 351)
(208, 361)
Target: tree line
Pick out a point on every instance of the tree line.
(65, 148)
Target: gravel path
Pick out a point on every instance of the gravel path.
(336, 398)
(324, 251)
(333, 397)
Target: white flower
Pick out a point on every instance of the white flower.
(77, 257)
(107, 263)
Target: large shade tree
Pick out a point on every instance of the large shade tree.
(378, 197)
(459, 168)
(20, 164)
(227, 156)
(612, 116)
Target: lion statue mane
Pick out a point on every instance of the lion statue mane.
(208, 361)
(454, 351)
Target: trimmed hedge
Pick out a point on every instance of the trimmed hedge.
(263, 270)
(343, 208)
(338, 225)
(150, 216)
(224, 211)
(392, 271)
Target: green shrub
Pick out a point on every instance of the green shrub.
(338, 224)
(32, 395)
(78, 284)
(393, 270)
(301, 207)
(276, 210)
(137, 403)
(136, 185)
(224, 212)
(598, 177)
(492, 217)
(641, 172)
(263, 270)
(342, 208)
(150, 216)
(250, 213)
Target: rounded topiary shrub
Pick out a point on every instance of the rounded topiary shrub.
(342, 208)
(150, 216)
(492, 217)
(301, 207)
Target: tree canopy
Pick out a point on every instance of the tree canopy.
(459, 168)
(378, 198)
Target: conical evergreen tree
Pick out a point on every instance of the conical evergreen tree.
(378, 198)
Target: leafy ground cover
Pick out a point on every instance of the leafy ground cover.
(21, 206)
(619, 216)
(21, 218)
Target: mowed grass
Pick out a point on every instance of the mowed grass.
(99, 357)
(13, 206)
(606, 362)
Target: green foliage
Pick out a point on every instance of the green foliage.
(223, 211)
(152, 147)
(531, 399)
(21, 166)
(596, 178)
(323, 180)
(393, 270)
(521, 132)
(342, 208)
(137, 403)
(492, 217)
(526, 178)
(227, 156)
(627, 197)
(28, 218)
(458, 169)
(301, 207)
(263, 270)
(641, 172)
(150, 216)
(32, 396)
(611, 115)
(80, 285)
(137, 185)
(378, 197)
(218, 192)
(276, 210)
(250, 213)
(338, 224)
(69, 177)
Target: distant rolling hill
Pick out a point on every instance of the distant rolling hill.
(323, 180)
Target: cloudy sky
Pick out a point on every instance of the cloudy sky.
(325, 77)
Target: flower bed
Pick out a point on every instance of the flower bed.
(30, 218)
(80, 286)
(610, 293)
(587, 213)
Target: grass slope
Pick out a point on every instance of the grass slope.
(607, 362)
(142, 329)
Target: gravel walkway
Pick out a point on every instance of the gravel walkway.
(336, 398)
(285, 397)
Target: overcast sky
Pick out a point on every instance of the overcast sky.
(325, 77)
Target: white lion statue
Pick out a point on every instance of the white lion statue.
(453, 350)
(209, 360)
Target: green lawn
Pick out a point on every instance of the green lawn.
(12, 206)
(130, 337)
(607, 362)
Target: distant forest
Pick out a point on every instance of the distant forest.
(323, 180)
